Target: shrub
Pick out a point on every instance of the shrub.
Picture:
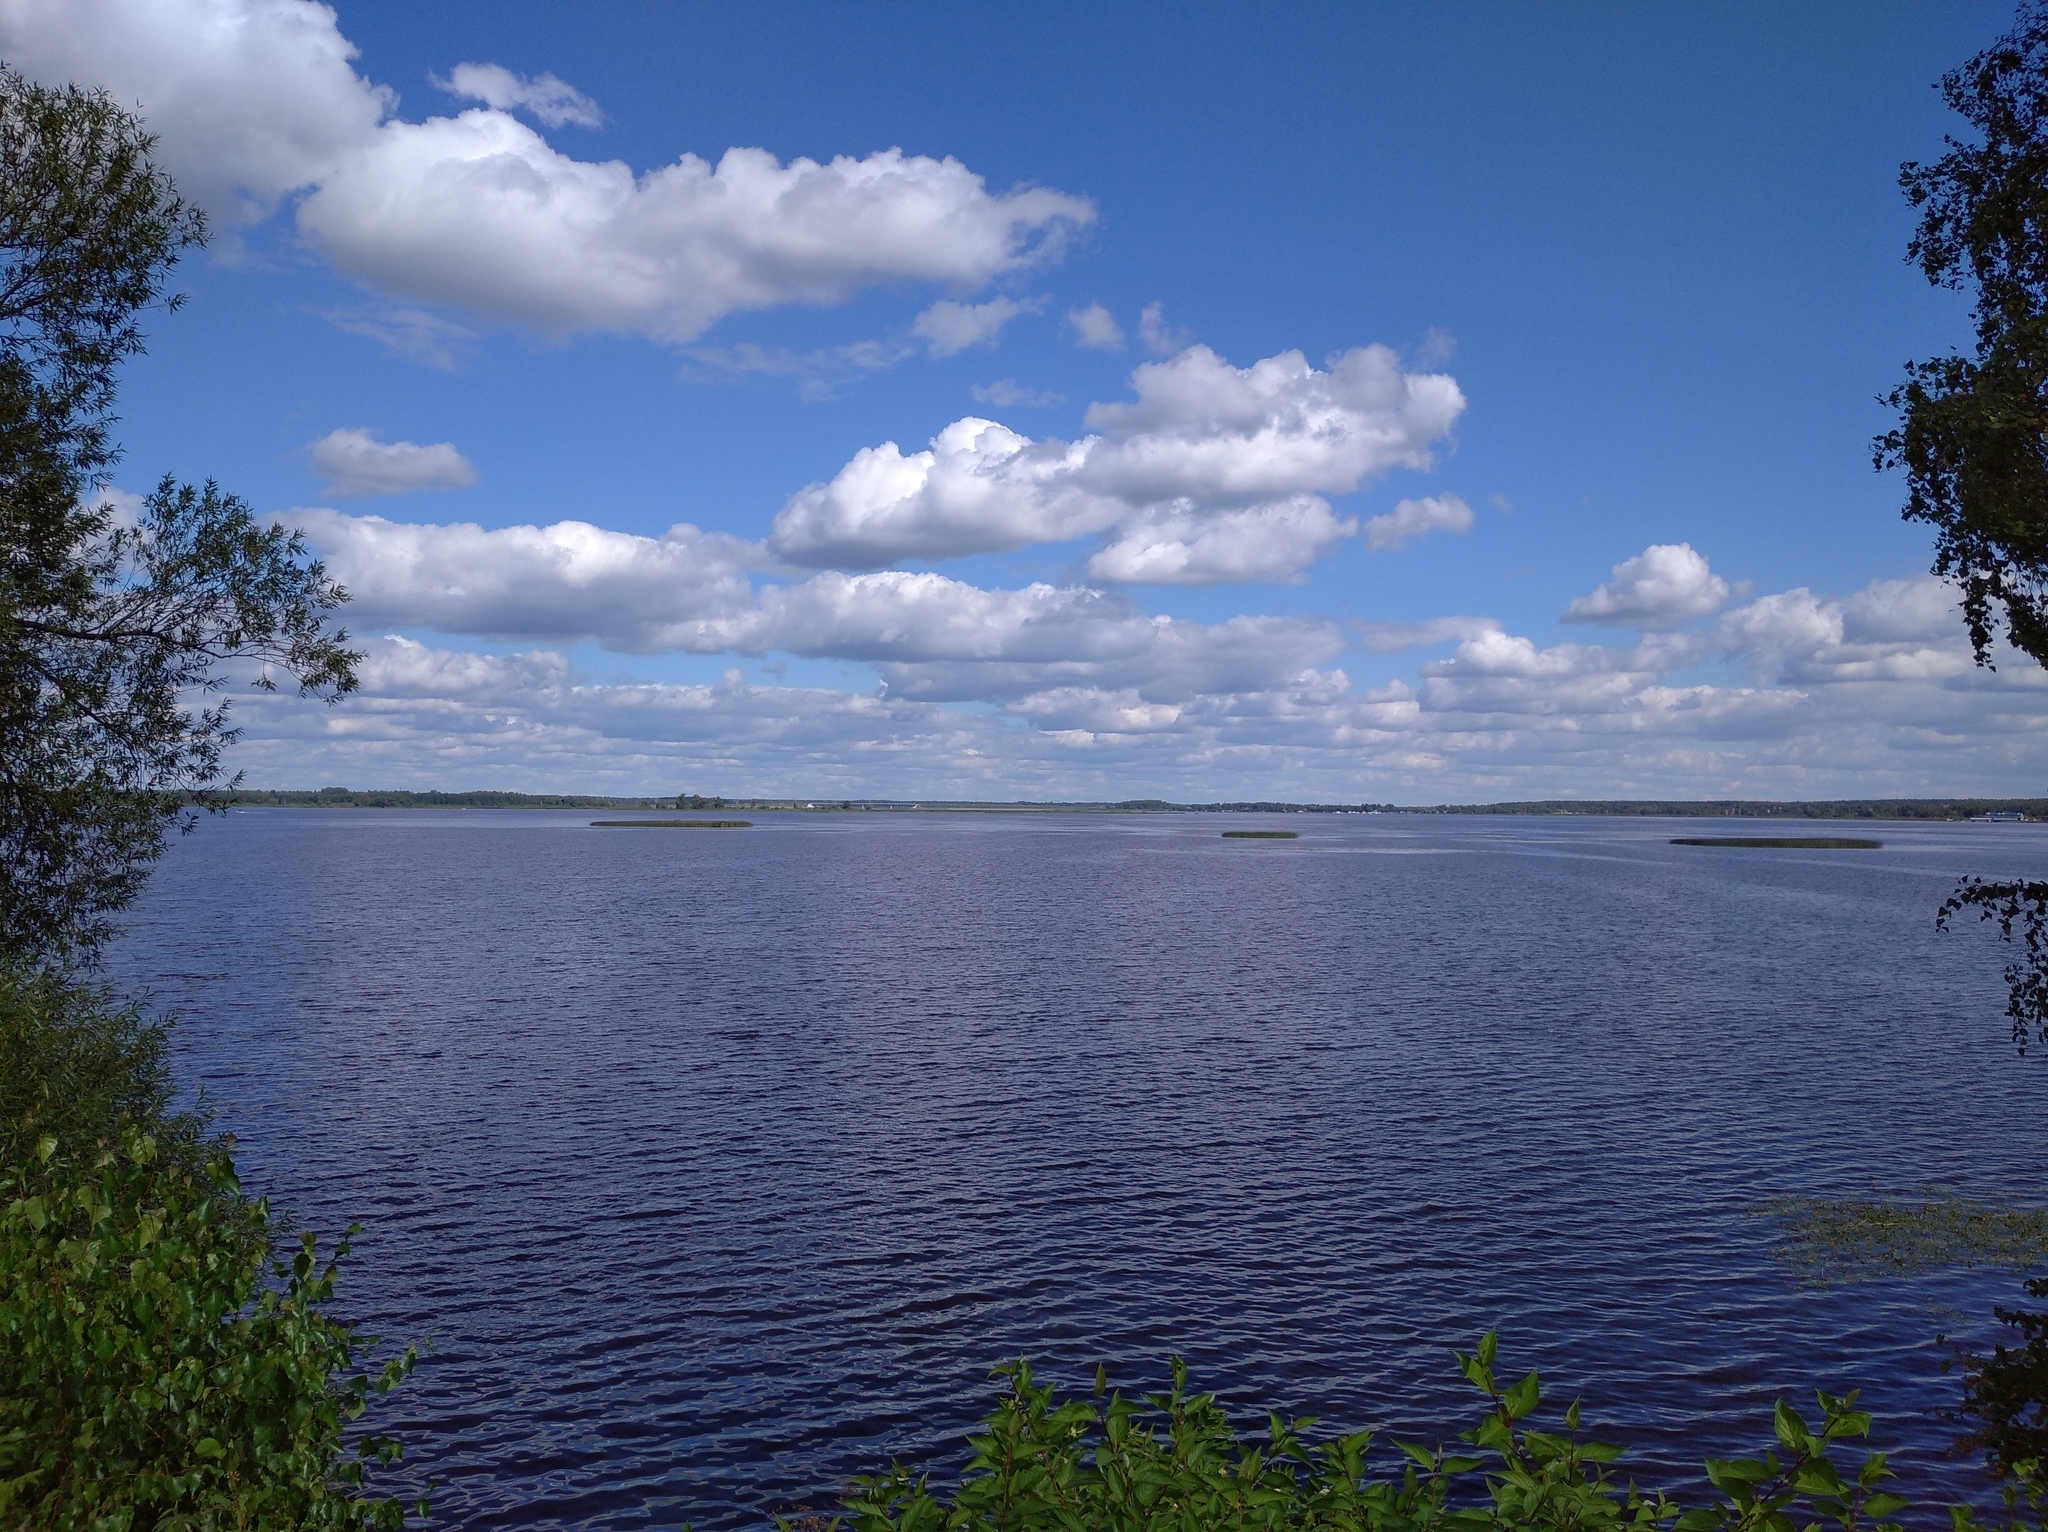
(75, 1067)
(163, 1364)
(150, 1376)
(1175, 1464)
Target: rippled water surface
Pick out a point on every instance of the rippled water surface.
(721, 1166)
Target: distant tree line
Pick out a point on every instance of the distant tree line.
(1820, 808)
(401, 798)
(1933, 809)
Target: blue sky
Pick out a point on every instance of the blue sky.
(1637, 272)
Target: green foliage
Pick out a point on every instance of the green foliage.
(1973, 431)
(1175, 1464)
(157, 1370)
(89, 230)
(107, 629)
(2020, 907)
(2006, 1393)
(97, 679)
(76, 1067)
(150, 1377)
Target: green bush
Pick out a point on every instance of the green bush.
(150, 1375)
(1175, 1464)
(165, 1360)
(74, 1066)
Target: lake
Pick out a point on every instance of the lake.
(723, 1165)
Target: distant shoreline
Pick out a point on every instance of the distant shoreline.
(1949, 810)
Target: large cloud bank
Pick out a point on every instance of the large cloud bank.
(257, 100)
(1073, 691)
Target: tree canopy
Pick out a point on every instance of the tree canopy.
(118, 632)
(1972, 435)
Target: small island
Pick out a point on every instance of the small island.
(671, 824)
(1784, 842)
(1261, 835)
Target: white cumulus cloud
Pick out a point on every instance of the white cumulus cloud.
(1665, 586)
(1411, 519)
(1184, 547)
(689, 591)
(563, 582)
(553, 101)
(1212, 473)
(356, 464)
(257, 99)
(250, 99)
(480, 212)
(979, 487)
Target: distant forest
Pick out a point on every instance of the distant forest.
(1828, 808)
(399, 798)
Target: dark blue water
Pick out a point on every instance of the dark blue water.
(721, 1166)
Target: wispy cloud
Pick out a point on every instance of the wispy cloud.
(1411, 519)
(818, 373)
(1007, 393)
(1159, 337)
(555, 102)
(1095, 328)
(413, 334)
(949, 328)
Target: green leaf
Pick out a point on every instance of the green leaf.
(1522, 1398)
(1729, 1474)
(1790, 1429)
